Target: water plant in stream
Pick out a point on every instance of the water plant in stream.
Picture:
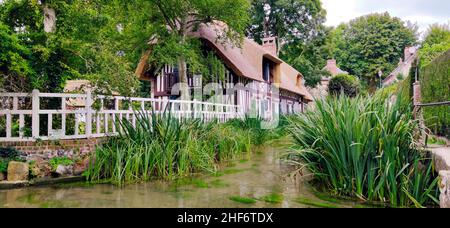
(364, 147)
(273, 198)
(160, 146)
(244, 200)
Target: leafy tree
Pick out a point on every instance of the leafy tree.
(173, 20)
(79, 44)
(289, 20)
(344, 83)
(309, 58)
(372, 43)
(14, 66)
(436, 42)
(301, 36)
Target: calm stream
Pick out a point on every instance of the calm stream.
(261, 176)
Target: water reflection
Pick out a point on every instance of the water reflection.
(256, 178)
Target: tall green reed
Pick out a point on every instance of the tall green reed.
(160, 146)
(364, 147)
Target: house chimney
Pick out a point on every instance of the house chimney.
(331, 64)
(270, 45)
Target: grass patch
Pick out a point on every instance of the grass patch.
(243, 200)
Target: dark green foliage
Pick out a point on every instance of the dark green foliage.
(405, 89)
(435, 81)
(344, 83)
(3, 166)
(298, 26)
(7, 155)
(13, 58)
(363, 147)
(437, 41)
(290, 20)
(163, 147)
(254, 126)
(372, 43)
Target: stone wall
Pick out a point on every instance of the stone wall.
(444, 186)
(57, 147)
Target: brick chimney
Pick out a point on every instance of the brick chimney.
(270, 45)
(331, 63)
(332, 67)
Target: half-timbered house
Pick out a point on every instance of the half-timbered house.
(271, 84)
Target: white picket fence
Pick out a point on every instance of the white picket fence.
(97, 114)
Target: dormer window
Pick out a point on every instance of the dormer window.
(266, 71)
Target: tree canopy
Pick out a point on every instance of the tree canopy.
(436, 42)
(80, 45)
(298, 25)
(103, 40)
(372, 43)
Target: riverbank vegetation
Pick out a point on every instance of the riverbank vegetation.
(163, 147)
(363, 147)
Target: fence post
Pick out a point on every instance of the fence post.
(88, 108)
(35, 115)
(195, 109)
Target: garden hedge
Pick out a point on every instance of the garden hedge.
(435, 86)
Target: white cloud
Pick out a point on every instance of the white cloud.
(339, 11)
(423, 12)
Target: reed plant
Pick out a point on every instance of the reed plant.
(160, 146)
(253, 125)
(364, 147)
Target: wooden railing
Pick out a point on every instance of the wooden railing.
(79, 116)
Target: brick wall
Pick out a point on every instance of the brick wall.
(76, 146)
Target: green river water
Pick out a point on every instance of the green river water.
(261, 182)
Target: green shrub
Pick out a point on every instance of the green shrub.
(344, 83)
(435, 81)
(7, 155)
(56, 161)
(254, 127)
(363, 147)
(405, 89)
(3, 166)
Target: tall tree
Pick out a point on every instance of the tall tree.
(298, 25)
(436, 42)
(174, 19)
(65, 40)
(289, 20)
(372, 43)
(309, 57)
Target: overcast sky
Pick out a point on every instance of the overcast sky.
(424, 12)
